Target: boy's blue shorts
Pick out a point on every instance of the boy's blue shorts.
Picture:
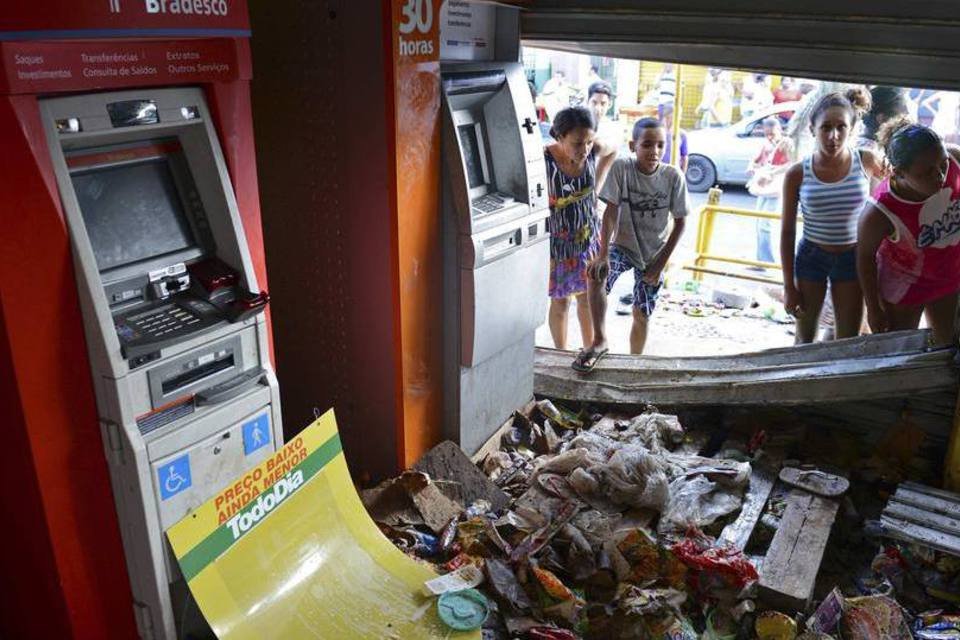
(644, 295)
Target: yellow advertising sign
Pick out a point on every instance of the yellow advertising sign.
(288, 551)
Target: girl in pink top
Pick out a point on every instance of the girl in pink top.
(908, 251)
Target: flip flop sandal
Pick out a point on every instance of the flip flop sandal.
(815, 481)
(587, 360)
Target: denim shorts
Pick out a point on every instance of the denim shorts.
(644, 295)
(817, 265)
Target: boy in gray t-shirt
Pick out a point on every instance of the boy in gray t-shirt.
(641, 195)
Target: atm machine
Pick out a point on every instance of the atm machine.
(186, 396)
(496, 249)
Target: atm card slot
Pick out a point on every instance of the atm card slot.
(195, 375)
(500, 244)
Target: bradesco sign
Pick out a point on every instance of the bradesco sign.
(189, 7)
(58, 19)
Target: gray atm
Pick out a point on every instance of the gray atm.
(496, 249)
(185, 392)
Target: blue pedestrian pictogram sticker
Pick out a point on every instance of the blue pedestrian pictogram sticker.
(174, 477)
(256, 433)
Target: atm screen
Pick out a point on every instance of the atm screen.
(472, 149)
(132, 212)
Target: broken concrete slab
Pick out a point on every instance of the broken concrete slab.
(412, 498)
(458, 478)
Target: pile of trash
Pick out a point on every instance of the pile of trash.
(590, 526)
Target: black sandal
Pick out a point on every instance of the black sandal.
(587, 359)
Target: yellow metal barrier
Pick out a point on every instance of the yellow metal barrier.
(708, 216)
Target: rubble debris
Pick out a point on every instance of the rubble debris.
(411, 499)
(733, 298)
(815, 481)
(466, 577)
(827, 616)
(870, 617)
(791, 565)
(458, 478)
(920, 555)
(506, 586)
(562, 419)
(720, 625)
(539, 538)
(715, 569)
(550, 633)
(622, 527)
(463, 610)
(773, 625)
(737, 534)
(923, 515)
(936, 625)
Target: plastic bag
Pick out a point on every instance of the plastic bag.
(567, 461)
(584, 482)
(657, 431)
(596, 527)
(872, 617)
(696, 502)
(636, 478)
(730, 473)
(715, 564)
(936, 625)
(504, 583)
(597, 444)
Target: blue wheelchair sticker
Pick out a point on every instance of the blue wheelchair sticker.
(174, 477)
(256, 433)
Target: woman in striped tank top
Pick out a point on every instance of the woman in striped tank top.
(576, 166)
(829, 188)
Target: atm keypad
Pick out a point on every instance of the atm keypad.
(488, 203)
(144, 332)
(163, 321)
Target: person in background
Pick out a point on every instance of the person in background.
(885, 103)
(926, 103)
(555, 94)
(954, 138)
(809, 85)
(599, 98)
(576, 166)
(641, 196)
(830, 188)
(666, 87)
(541, 112)
(945, 122)
(755, 94)
(788, 91)
(766, 173)
(666, 117)
(909, 248)
(716, 104)
(593, 75)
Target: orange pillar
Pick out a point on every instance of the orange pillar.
(415, 52)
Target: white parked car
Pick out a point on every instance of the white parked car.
(721, 154)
